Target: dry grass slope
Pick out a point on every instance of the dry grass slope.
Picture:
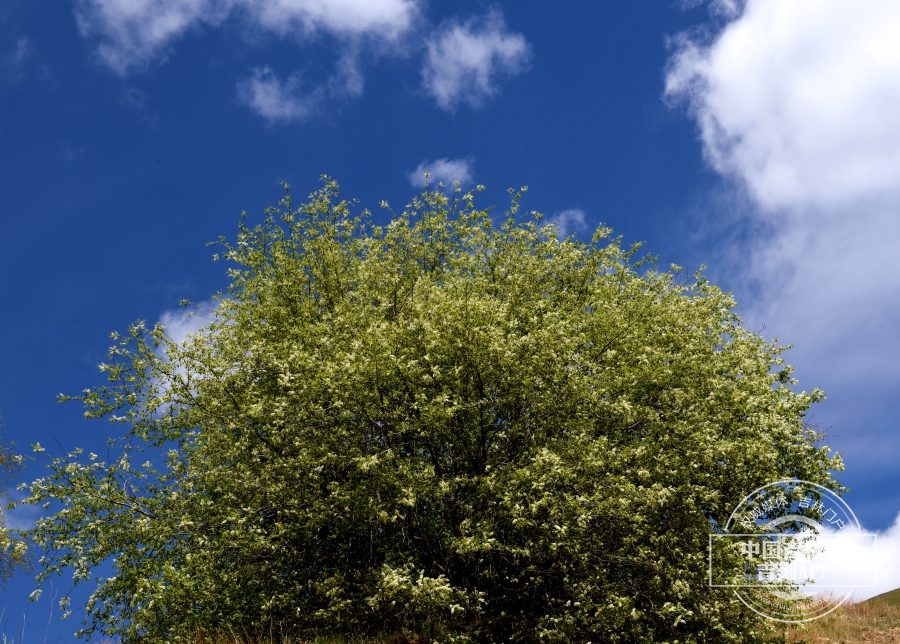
(276, 637)
(875, 621)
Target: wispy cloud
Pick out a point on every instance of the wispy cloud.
(134, 33)
(277, 101)
(23, 517)
(444, 171)
(286, 101)
(134, 98)
(384, 19)
(12, 65)
(347, 81)
(138, 100)
(568, 221)
(22, 52)
(726, 8)
(466, 61)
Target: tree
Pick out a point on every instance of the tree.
(13, 552)
(449, 426)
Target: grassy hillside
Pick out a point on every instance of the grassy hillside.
(876, 620)
(889, 599)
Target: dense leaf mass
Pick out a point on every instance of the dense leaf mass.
(446, 425)
(13, 550)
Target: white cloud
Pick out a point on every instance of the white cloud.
(23, 51)
(180, 326)
(444, 171)
(347, 81)
(568, 221)
(852, 559)
(285, 102)
(382, 18)
(21, 517)
(796, 104)
(182, 323)
(134, 98)
(728, 8)
(887, 562)
(466, 60)
(799, 100)
(134, 33)
(276, 101)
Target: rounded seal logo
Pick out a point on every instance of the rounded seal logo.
(793, 551)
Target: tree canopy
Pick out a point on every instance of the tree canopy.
(454, 424)
(13, 550)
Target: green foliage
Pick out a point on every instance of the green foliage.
(13, 550)
(448, 426)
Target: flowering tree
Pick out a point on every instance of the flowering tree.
(450, 426)
(12, 548)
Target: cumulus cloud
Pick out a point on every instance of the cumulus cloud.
(886, 561)
(868, 563)
(568, 221)
(444, 171)
(133, 33)
(796, 105)
(277, 101)
(799, 101)
(466, 61)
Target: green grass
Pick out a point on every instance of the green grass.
(874, 620)
(890, 599)
(281, 638)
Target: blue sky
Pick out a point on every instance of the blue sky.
(758, 138)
